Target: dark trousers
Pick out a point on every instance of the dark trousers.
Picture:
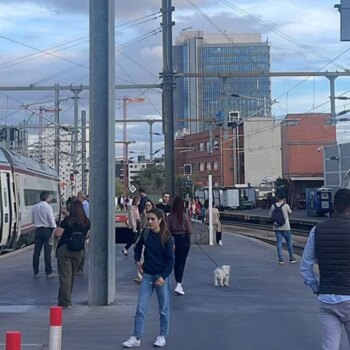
(42, 238)
(218, 236)
(182, 247)
(82, 261)
(67, 264)
(131, 239)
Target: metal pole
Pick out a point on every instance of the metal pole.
(340, 165)
(332, 98)
(210, 208)
(41, 154)
(150, 140)
(168, 99)
(75, 130)
(125, 146)
(83, 151)
(102, 153)
(225, 109)
(234, 156)
(57, 129)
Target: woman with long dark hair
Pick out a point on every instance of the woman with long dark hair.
(180, 227)
(72, 231)
(156, 269)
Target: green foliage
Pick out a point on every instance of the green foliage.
(119, 187)
(151, 179)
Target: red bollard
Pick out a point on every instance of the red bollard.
(13, 340)
(55, 336)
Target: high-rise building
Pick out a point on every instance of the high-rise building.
(200, 98)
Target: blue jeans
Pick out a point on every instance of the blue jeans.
(163, 294)
(287, 236)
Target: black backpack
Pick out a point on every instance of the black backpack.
(277, 215)
(76, 241)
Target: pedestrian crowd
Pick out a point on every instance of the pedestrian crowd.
(161, 235)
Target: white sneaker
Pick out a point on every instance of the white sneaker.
(220, 242)
(179, 289)
(132, 342)
(160, 341)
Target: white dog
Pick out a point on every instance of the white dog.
(221, 276)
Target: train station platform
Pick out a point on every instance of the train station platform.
(266, 306)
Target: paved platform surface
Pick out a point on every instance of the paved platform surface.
(266, 306)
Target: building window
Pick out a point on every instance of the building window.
(216, 145)
(216, 165)
(201, 166)
(201, 147)
(208, 165)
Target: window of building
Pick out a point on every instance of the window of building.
(201, 147)
(201, 166)
(208, 165)
(216, 165)
(216, 145)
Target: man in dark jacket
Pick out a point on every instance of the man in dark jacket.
(329, 245)
(164, 204)
(143, 199)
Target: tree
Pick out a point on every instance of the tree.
(151, 179)
(119, 187)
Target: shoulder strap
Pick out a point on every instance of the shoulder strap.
(145, 233)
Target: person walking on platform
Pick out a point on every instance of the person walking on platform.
(144, 223)
(180, 227)
(216, 223)
(279, 213)
(143, 199)
(329, 245)
(148, 206)
(82, 197)
(134, 224)
(164, 204)
(157, 267)
(72, 231)
(44, 222)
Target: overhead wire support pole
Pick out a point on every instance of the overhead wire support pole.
(102, 152)
(83, 152)
(332, 99)
(57, 130)
(76, 92)
(167, 96)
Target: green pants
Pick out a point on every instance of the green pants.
(67, 264)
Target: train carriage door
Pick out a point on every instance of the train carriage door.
(18, 208)
(5, 209)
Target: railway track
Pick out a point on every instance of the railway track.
(265, 234)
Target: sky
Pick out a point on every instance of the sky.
(44, 42)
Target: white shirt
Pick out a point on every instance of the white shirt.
(42, 215)
(86, 206)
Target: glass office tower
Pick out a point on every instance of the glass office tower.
(198, 99)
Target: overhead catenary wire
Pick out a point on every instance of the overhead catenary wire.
(280, 33)
(74, 43)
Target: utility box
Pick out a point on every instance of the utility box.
(319, 201)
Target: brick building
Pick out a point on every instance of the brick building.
(303, 137)
(215, 158)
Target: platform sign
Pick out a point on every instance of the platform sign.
(132, 189)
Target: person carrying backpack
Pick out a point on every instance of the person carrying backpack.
(279, 214)
(73, 231)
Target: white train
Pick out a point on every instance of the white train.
(21, 181)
